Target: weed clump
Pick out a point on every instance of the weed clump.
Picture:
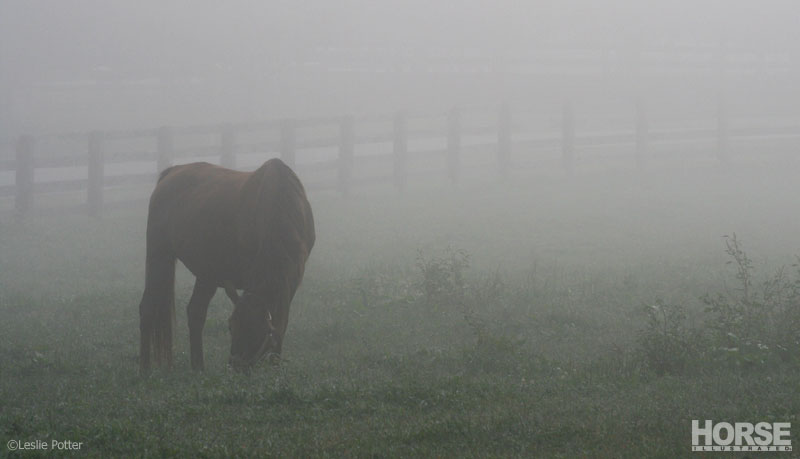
(444, 286)
(443, 282)
(666, 344)
(754, 323)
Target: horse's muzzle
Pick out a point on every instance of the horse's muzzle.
(240, 363)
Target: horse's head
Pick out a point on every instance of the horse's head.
(252, 333)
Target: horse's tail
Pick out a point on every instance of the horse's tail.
(157, 313)
(157, 308)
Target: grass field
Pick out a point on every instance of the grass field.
(493, 319)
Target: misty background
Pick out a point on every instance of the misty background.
(546, 228)
(90, 64)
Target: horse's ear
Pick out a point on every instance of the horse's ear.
(230, 290)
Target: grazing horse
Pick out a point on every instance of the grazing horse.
(251, 231)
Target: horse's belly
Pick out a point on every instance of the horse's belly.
(210, 259)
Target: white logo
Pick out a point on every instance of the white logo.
(741, 436)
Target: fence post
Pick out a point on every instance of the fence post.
(400, 150)
(347, 139)
(227, 147)
(165, 147)
(94, 195)
(23, 200)
(642, 130)
(568, 138)
(723, 130)
(453, 144)
(288, 146)
(504, 139)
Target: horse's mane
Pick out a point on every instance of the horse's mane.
(164, 173)
(275, 225)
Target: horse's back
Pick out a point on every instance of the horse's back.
(198, 181)
(192, 216)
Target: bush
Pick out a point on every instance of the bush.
(666, 342)
(754, 324)
(443, 281)
(445, 287)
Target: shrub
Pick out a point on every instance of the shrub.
(443, 284)
(755, 323)
(666, 341)
(443, 281)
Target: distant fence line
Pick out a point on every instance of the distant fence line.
(499, 139)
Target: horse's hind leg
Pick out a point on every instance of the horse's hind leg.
(196, 311)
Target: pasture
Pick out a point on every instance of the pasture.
(491, 319)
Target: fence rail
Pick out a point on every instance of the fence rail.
(335, 141)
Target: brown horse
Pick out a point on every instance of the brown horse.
(250, 231)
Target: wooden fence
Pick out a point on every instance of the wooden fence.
(500, 138)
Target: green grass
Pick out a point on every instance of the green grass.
(537, 356)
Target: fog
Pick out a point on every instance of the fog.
(81, 65)
(544, 228)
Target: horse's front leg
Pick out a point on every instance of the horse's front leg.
(196, 311)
